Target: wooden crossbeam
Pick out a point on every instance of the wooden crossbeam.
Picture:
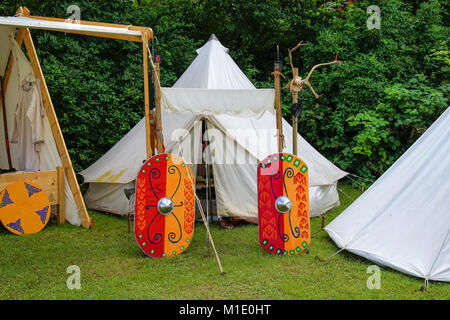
(148, 32)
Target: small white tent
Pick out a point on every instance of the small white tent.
(403, 220)
(235, 182)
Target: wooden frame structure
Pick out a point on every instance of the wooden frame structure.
(24, 36)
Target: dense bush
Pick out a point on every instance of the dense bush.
(392, 85)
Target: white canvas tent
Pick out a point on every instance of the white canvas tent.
(403, 220)
(214, 71)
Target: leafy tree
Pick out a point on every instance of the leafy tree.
(392, 85)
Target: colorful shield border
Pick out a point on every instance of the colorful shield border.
(24, 208)
(283, 174)
(164, 175)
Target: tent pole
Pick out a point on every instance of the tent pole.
(208, 186)
(159, 136)
(5, 124)
(294, 119)
(19, 39)
(148, 136)
(207, 205)
(276, 75)
(86, 221)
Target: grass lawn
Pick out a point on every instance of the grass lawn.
(113, 267)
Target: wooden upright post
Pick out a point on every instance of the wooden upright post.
(159, 135)
(61, 217)
(294, 119)
(148, 136)
(86, 221)
(276, 75)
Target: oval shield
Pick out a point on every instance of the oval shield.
(283, 204)
(164, 210)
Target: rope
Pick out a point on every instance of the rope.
(337, 252)
(326, 259)
(361, 185)
(351, 174)
(346, 194)
(144, 40)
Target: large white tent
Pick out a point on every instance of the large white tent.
(241, 130)
(403, 220)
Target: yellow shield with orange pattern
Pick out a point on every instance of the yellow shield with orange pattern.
(24, 208)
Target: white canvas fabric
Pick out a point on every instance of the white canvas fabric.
(235, 182)
(236, 102)
(48, 155)
(403, 220)
(27, 22)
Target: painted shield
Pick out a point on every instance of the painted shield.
(24, 208)
(283, 204)
(164, 210)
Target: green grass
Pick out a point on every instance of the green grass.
(113, 267)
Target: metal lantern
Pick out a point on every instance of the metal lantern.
(278, 64)
(155, 51)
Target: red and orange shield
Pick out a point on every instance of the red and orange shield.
(283, 204)
(164, 210)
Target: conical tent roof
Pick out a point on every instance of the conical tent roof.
(235, 184)
(213, 68)
(403, 219)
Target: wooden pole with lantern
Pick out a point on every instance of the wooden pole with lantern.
(276, 74)
(158, 112)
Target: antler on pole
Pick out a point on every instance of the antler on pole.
(296, 85)
(294, 97)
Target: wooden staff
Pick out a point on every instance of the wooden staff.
(148, 136)
(296, 112)
(278, 110)
(276, 75)
(294, 99)
(5, 124)
(296, 85)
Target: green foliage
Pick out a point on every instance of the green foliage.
(392, 85)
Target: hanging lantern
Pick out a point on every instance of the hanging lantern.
(155, 51)
(278, 64)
